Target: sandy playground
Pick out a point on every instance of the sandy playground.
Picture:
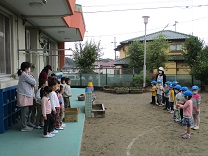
(133, 127)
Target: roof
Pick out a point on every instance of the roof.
(169, 35)
(123, 61)
(109, 63)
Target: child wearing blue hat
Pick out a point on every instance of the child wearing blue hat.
(153, 90)
(166, 95)
(159, 92)
(188, 112)
(171, 99)
(178, 95)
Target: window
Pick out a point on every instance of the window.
(176, 47)
(5, 45)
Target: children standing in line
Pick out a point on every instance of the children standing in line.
(62, 110)
(159, 92)
(67, 93)
(153, 90)
(39, 118)
(188, 109)
(46, 111)
(171, 99)
(54, 102)
(182, 100)
(176, 114)
(166, 95)
(196, 98)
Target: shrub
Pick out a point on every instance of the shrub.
(137, 80)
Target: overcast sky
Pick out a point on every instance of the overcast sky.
(123, 19)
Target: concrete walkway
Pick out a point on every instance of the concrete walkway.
(66, 143)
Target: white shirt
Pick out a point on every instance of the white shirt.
(54, 100)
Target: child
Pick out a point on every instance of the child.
(39, 119)
(62, 110)
(46, 111)
(159, 92)
(153, 90)
(182, 101)
(63, 82)
(188, 109)
(171, 99)
(54, 102)
(67, 93)
(176, 114)
(196, 98)
(166, 95)
(58, 109)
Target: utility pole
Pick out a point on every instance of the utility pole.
(114, 46)
(175, 25)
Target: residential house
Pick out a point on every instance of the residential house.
(105, 66)
(34, 31)
(175, 64)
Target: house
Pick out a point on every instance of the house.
(105, 66)
(33, 31)
(175, 64)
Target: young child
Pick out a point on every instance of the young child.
(166, 95)
(159, 92)
(153, 90)
(46, 111)
(176, 114)
(196, 98)
(67, 93)
(54, 102)
(182, 101)
(171, 99)
(188, 109)
(39, 118)
(62, 110)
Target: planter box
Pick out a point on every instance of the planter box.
(98, 110)
(122, 91)
(71, 114)
(109, 90)
(136, 91)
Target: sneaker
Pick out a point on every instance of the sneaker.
(60, 128)
(47, 136)
(38, 127)
(171, 112)
(196, 127)
(63, 125)
(192, 127)
(51, 134)
(176, 120)
(30, 124)
(183, 134)
(160, 105)
(26, 129)
(186, 136)
(54, 132)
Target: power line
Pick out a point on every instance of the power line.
(167, 7)
(143, 30)
(125, 4)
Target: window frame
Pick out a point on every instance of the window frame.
(176, 45)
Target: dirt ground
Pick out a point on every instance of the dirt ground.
(134, 127)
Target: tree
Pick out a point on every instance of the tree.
(136, 54)
(156, 56)
(86, 54)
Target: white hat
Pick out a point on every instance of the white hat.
(161, 68)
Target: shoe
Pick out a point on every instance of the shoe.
(26, 129)
(47, 136)
(171, 112)
(30, 124)
(183, 134)
(63, 125)
(176, 120)
(160, 105)
(186, 136)
(60, 128)
(192, 127)
(196, 127)
(54, 132)
(38, 127)
(51, 134)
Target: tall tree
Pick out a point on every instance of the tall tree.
(156, 52)
(136, 54)
(86, 54)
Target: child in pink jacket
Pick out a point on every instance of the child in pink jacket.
(46, 111)
(187, 113)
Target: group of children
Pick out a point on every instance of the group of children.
(183, 103)
(51, 99)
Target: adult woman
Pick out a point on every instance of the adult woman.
(44, 73)
(25, 93)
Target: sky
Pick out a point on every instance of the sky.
(122, 19)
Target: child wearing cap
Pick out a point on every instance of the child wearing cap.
(178, 95)
(153, 90)
(159, 92)
(166, 95)
(188, 110)
(171, 99)
(196, 98)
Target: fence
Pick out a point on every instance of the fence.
(121, 77)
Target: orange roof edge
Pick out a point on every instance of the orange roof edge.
(71, 4)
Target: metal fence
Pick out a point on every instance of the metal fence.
(120, 77)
